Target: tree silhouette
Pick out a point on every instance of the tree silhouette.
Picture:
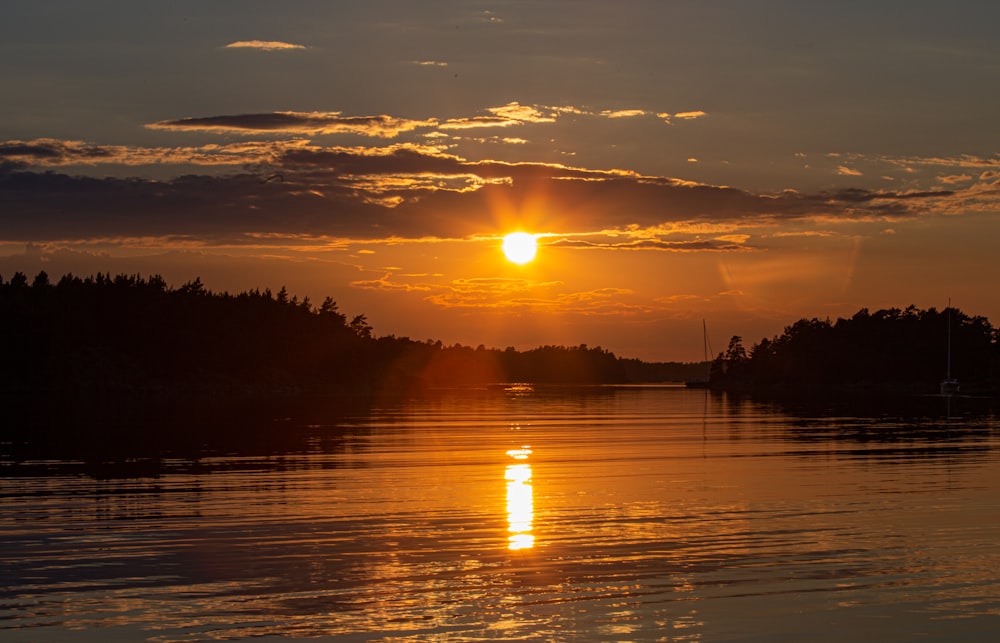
(888, 350)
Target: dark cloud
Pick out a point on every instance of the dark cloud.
(19, 149)
(45, 151)
(855, 195)
(403, 192)
(410, 160)
(297, 123)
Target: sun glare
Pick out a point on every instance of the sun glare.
(520, 247)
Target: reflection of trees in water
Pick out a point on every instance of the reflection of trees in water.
(896, 429)
(877, 428)
(129, 438)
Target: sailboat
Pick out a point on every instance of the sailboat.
(702, 383)
(949, 385)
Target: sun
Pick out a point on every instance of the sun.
(520, 247)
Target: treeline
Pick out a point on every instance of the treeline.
(129, 334)
(890, 351)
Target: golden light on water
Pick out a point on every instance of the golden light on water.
(520, 501)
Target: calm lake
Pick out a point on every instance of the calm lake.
(596, 514)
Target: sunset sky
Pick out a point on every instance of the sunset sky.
(745, 162)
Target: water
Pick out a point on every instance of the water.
(604, 514)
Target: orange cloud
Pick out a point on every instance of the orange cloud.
(955, 178)
(733, 243)
(624, 113)
(510, 295)
(522, 113)
(521, 295)
(385, 284)
(478, 121)
(962, 161)
(505, 116)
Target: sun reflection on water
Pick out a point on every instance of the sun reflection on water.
(520, 501)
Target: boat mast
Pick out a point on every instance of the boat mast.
(949, 385)
(704, 339)
(948, 369)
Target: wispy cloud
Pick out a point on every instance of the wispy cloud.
(385, 283)
(962, 161)
(624, 113)
(264, 45)
(475, 122)
(521, 295)
(718, 245)
(955, 179)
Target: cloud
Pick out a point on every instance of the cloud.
(718, 245)
(264, 45)
(948, 170)
(405, 192)
(962, 161)
(804, 233)
(508, 296)
(955, 179)
(684, 116)
(47, 152)
(484, 293)
(297, 123)
(478, 121)
(385, 126)
(522, 113)
(504, 116)
(624, 113)
(384, 283)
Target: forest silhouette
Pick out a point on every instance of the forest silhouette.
(126, 334)
(106, 362)
(890, 351)
(129, 334)
(96, 357)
